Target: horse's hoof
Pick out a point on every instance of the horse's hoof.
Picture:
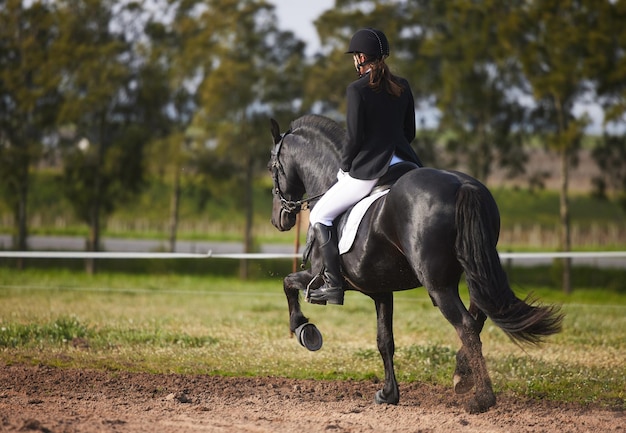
(380, 398)
(309, 336)
(463, 384)
(481, 404)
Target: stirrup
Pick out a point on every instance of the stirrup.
(307, 292)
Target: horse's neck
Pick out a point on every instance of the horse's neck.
(317, 159)
(320, 175)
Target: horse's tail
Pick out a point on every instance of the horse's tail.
(524, 321)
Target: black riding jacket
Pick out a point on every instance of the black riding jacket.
(379, 125)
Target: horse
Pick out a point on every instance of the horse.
(431, 227)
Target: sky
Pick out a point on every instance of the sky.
(298, 16)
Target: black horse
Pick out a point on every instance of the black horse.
(432, 226)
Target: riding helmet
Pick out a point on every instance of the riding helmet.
(371, 42)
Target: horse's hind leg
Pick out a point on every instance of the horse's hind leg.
(390, 393)
(468, 330)
(463, 379)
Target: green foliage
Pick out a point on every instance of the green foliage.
(69, 331)
(62, 330)
(609, 280)
(520, 206)
(95, 180)
(101, 111)
(544, 380)
(29, 99)
(610, 153)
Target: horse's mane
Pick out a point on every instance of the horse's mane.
(314, 128)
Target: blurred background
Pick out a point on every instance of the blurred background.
(149, 120)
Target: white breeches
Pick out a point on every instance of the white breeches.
(341, 196)
(345, 193)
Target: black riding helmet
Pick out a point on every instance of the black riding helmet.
(371, 42)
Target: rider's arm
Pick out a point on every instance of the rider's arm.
(354, 122)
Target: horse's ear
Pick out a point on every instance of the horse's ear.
(275, 130)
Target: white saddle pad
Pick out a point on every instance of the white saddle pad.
(354, 220)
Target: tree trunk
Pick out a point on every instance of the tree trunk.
(20, 237)
(249, 209)
(174, 210)
(565, 238)
(22, 231)
(93, 243)
(566, 244)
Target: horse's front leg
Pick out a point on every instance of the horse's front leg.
(292, 285)
(307, 333)
(390, 393)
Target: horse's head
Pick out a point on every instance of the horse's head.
(305, 159)
(288, 188)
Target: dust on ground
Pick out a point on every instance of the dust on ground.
(54, 400)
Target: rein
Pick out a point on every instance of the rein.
(289, 206)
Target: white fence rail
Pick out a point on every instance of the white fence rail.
(256, 256)
(140, 255)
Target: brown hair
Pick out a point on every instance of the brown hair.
(381, 78)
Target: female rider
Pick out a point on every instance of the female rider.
(381, 125)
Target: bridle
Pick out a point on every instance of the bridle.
(289, 206)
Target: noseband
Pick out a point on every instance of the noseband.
(289, 206)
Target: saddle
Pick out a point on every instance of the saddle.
(347, 223)
(392, 175)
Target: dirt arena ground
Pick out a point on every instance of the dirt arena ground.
(49, 400)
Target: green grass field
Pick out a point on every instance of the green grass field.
(209, 325)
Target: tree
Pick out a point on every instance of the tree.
(255, 75)
(103, 163)
(178, 50)
(610, 89)
(554, 43)
(610, 155)
(28, 100)
(480, 118)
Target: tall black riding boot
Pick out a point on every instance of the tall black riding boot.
(332, 289)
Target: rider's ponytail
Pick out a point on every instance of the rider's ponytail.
(381, 78)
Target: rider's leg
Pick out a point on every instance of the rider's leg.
(332, 289)
(345, 193)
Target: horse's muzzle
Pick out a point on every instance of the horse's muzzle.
(284, 220)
